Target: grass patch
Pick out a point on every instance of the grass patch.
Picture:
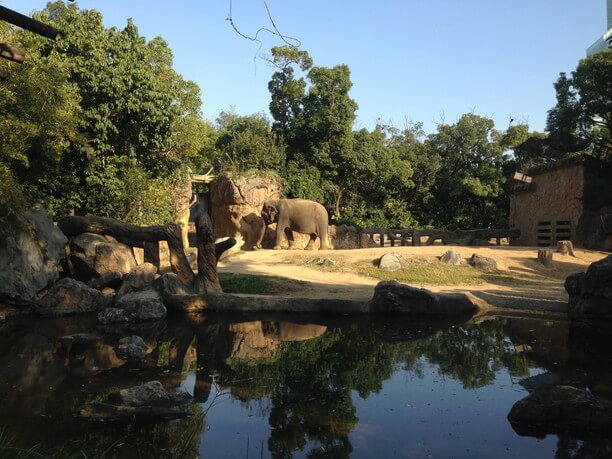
(258, 285)
(438, 274)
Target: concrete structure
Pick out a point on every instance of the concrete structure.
(569, 200)
(605, 41)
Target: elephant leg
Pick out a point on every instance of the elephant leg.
(289, 234)
(279, 236)
(311, 242)
(324, 239)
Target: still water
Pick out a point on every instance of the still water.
(300, 386)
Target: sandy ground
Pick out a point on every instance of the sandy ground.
(536, 286)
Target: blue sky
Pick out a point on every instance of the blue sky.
(419, 60)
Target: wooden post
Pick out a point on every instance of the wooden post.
(11, 53)
(25, 22)
(545, 257)
(416, 238)
(382, 239)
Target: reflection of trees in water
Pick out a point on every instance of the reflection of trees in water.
(304, 386)
(310, 383)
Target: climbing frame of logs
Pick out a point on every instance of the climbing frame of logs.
(407, 237)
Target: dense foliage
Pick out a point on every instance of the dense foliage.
(98, 122)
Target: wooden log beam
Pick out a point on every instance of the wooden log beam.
(27, 23)
(11, 53)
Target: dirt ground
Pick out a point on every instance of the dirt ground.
(534, 286)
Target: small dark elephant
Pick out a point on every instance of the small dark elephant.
(299, 215)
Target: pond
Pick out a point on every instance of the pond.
(300, 386)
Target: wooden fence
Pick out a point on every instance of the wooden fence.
(406, 237)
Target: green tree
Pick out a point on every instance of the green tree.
(137, 118)
(469, 180)
(584, 109)
(247, 143)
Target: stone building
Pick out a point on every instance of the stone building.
(568, 200)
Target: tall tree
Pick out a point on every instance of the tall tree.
(469, 179)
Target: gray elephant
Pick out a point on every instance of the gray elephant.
(299, 215)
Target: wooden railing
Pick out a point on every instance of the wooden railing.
(406, 237)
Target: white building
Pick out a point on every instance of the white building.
(605, 41)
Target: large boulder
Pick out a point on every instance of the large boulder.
(391, 297)
(30, 255)
(555, 409)
(343, 237)
(392, 262)
(590, 293)
(237, 198)
(69, 297)
(483, 263)
(93, 255)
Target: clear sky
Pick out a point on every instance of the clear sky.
(421, 60)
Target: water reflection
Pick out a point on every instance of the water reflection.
(313, 383)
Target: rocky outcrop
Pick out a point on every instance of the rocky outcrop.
(112, 316)
(69, 297)
(142, 306)
(235, 206)
(392, 262)
(30, 255)
(555, 409)
(94, 255)
(149, 402)
(483, 263)
(391, 297)
(451, 257)
(343, 237)
(590, 293)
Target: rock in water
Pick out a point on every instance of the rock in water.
(392, 262)
(141, 306)
(391, 297)
(30, 253)
(149, 402)
(68, 297)
(554, 409)
(483, 263)
(112, 316)
(590, 293)
(132, 348)
(111, 280)
(451, 257)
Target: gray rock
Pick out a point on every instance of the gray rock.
(112, 316)
(132, 348)
(138, 278)
(30, 254)
(111, 280)
(590, 293)
(391, 297)
(151, 393)
(114, 257)
(483, 263)
(141, 306)
(322, 261)
(68, 297)
(554, 409)
(392, 262)
(451, 257)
